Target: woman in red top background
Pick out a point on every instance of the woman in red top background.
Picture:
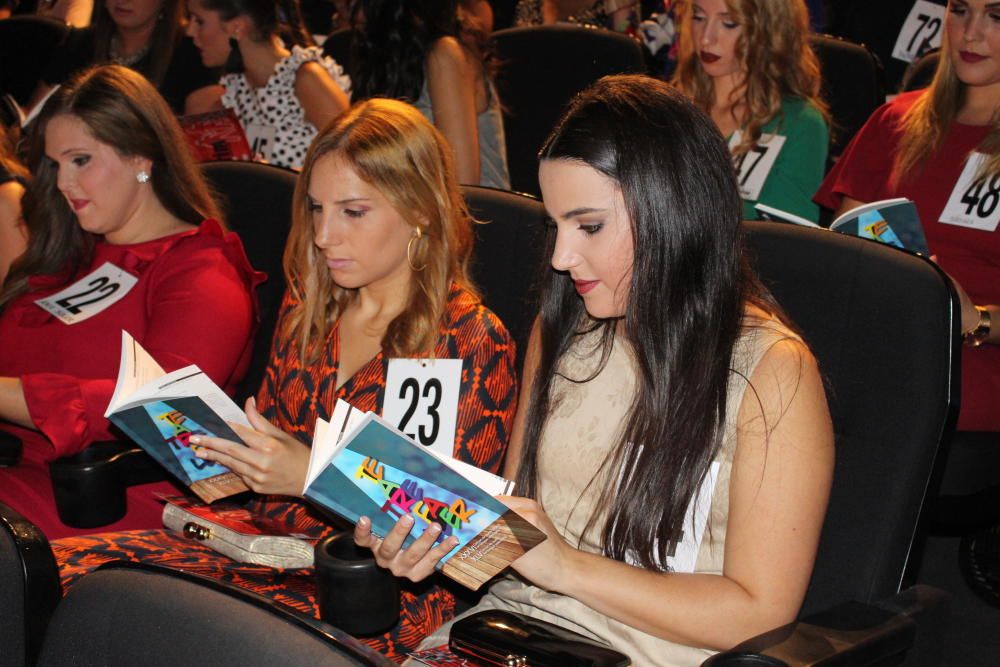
(123, 236)
(941, 148)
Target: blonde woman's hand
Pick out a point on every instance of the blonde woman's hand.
(416, 562)
(271, 462)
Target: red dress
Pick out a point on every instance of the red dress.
(193, 304)
(292, 396)
(970, 256)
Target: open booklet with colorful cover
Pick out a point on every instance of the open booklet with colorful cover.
(360, 465)
(894, 222)
(161, 411)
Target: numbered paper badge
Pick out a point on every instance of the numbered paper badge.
(261, 138)
(974, 202)
(921, 32)
(89, 295)
(421, 400)
(754, 166)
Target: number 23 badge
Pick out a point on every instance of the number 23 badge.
(90, 295)
(421, 400)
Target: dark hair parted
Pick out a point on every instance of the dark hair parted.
(269, 18)
(689, 283)
(120, 108)
(393, 38)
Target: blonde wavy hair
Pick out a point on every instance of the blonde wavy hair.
(776, 56)
(925, 123)
(394, 148)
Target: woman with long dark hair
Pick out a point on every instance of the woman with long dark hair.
(283, 95)
(673, 441)
(122, 235)
(427, 53)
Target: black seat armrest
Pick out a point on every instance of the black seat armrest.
(850, 634)
(10, 449)
(90, 486)
(29, 588)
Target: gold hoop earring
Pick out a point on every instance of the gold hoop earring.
(417, 235)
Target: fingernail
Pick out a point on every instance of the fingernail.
(195, 440)
(363, 522)
(435, 528)
(406, 519)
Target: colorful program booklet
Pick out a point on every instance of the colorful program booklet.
(894, 222)
(161, 411)
(360, 465)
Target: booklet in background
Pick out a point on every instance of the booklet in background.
(360, 465)
(894, 222)
(161, 411)
(216, 135)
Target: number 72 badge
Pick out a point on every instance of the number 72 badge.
(421, 400)
(90, 295)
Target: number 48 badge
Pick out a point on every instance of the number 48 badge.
(974, 202)
(421, 400)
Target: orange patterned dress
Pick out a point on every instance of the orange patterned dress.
(292, 396)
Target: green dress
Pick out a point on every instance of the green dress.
(801, 163)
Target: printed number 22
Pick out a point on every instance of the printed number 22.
(412, 387)
(101, 286)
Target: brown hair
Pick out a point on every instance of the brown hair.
(776, 56)
(121, 109)
(925, 123)
(394, 148)
(161, 41)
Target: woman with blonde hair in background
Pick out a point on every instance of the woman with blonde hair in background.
(748, 64)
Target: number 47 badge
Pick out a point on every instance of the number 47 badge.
(90, 295)
(421, 400)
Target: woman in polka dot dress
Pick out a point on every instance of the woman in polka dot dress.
(282, 96)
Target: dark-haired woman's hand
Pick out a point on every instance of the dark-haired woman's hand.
(416, 562)
(271, 462)
(548, 564)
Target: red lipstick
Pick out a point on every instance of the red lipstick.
(584, 286)
(708, 58)
(77, 204)
(970, 57)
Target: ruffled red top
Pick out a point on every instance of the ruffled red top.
(193, 304)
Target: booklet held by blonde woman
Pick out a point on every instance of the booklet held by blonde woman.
(360, 465)
(894, 222)
(160, 411)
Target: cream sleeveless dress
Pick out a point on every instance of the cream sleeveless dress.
(579, 435)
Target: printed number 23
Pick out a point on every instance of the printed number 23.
(101, 286)
(412, 388)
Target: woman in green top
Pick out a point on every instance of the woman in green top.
(749, 65)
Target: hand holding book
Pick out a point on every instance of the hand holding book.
(270, 461)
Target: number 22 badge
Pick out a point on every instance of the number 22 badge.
(421, 400)
(974, 202)
(90, 295)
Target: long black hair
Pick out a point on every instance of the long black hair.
(392, 39)
(269, 17)
(690, 282)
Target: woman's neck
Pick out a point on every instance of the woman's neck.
(260, 59)
(132, 41)
(377, 304)
(728, 106)
(981, 105)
